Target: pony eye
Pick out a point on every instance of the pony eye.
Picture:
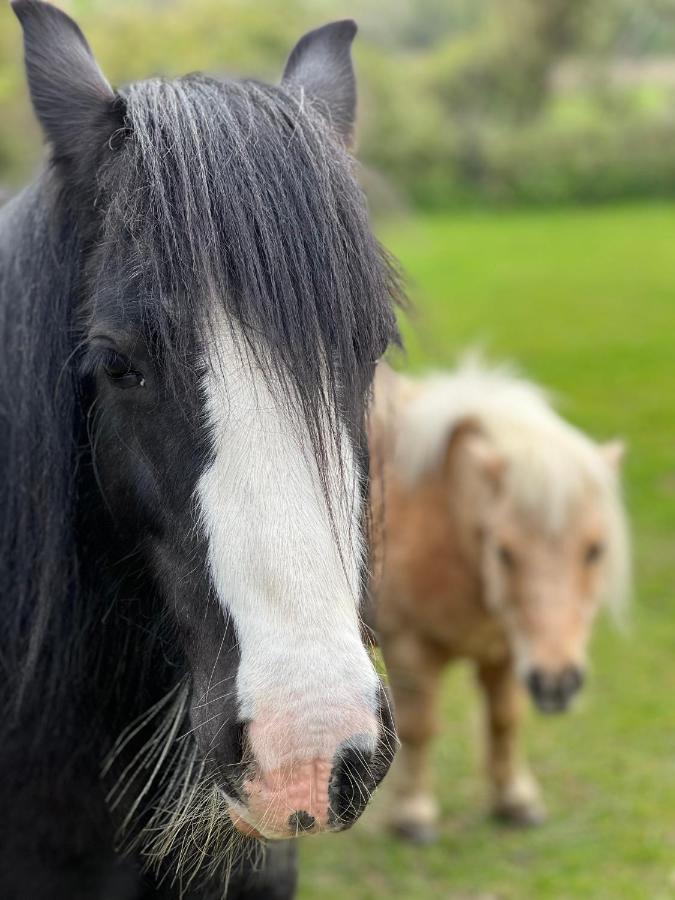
(593, 553)
(506, 557)
(119, 371)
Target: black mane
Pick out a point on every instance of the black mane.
(233, 190)
(39, 414)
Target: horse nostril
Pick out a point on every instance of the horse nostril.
(301, 821)
(350, 787)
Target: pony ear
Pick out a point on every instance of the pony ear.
(321, 64)
(490, 462)
(469, 435)
(72, 99)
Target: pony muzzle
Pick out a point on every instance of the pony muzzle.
(553, 691)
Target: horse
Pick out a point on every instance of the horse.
(192, 303)
(502, 533)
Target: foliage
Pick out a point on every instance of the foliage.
(458, 99)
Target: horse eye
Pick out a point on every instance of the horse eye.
(506, 556)
(119, 371)
(593, 553)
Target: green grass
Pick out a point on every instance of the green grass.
(584, 301)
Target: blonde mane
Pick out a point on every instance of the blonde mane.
(551, 465)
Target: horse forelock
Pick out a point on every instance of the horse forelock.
(236, 195)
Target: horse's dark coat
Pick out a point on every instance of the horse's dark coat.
(156, 200)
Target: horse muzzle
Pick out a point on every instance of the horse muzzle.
(307, 795)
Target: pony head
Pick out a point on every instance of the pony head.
(230, 305)
(552, 540)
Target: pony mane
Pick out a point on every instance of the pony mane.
(551, 465)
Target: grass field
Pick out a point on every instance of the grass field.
(584, 301)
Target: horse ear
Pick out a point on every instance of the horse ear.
(72, 99)
(614, 452)
(321, 64)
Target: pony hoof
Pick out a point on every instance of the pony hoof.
(419, 833)
(520, 815)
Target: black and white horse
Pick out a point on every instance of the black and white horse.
(191, 307)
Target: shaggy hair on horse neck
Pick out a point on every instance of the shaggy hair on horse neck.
(231, 193)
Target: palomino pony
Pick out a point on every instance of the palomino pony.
(503, 531)
(191, 307)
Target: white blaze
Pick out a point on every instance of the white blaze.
(305, 679)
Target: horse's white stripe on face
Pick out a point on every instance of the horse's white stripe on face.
(305, 681)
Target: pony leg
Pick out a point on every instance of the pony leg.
(415, 679)
(515, 794)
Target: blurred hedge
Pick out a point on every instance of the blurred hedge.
(457, 97)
